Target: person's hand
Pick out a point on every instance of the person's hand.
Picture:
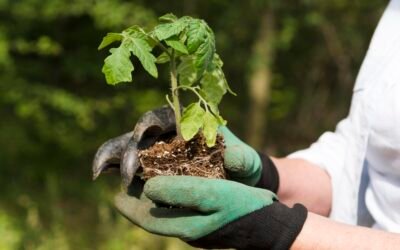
(246, 165)
(211, 213)
(242, 163)
(227, 214)
(121, 153)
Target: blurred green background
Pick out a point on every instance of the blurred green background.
(292, 63)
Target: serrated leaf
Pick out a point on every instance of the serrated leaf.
(213, 87)
(196, 34)
(187, 73)
(217, 65)
(204, 55)
(201, 42)
(135, 29)
(177, 45)
(163, 58)
(166, 30)
(229, 88)
(139, 46)
(138, 32)
(210, 128)
(109, 39)
(169, 17)
(118, 66)
(191, 121)
(217, 61)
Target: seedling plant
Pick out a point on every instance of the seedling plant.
(188, 45)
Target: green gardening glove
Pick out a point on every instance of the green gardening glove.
(242, 163)
(211, 213)
(246, 165)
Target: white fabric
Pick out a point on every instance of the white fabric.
(362, 156)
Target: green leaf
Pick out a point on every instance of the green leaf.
(213, 86)
(138, 45)
(109, 39)
(187, 73)
(166, 30)
(169, 17)
(217, 61)
(196, 34)
(163, 58)
(204, 56)
(229, 88)
(177, 45)
(217, 65)
(118, 66)
(211, 124)
(201, 42)
(192, 120)
(135, 30)
(139, 32)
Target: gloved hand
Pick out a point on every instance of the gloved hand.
(212, 213)
(246, 165)
(122, 152)
(242, 162)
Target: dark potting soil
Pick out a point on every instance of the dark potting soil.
(178, 157)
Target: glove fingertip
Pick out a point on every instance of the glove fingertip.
(234, 159)
(155, 185)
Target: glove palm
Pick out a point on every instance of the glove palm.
(199, 205)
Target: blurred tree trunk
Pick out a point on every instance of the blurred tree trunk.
(260, 80)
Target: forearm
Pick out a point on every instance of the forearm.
(304, 182)
(321, 233)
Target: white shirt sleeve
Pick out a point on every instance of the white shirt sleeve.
(329, 150)
(342, 152)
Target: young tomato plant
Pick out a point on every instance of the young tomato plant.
(188, 45)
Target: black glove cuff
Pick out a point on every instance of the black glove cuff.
(269, 175)
(272, 227)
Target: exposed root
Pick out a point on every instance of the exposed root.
(178, 157)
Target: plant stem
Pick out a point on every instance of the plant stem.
(163, 48)
(175, 95)
(193, 89)
(159, 44)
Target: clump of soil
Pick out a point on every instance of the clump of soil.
(178, 157)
